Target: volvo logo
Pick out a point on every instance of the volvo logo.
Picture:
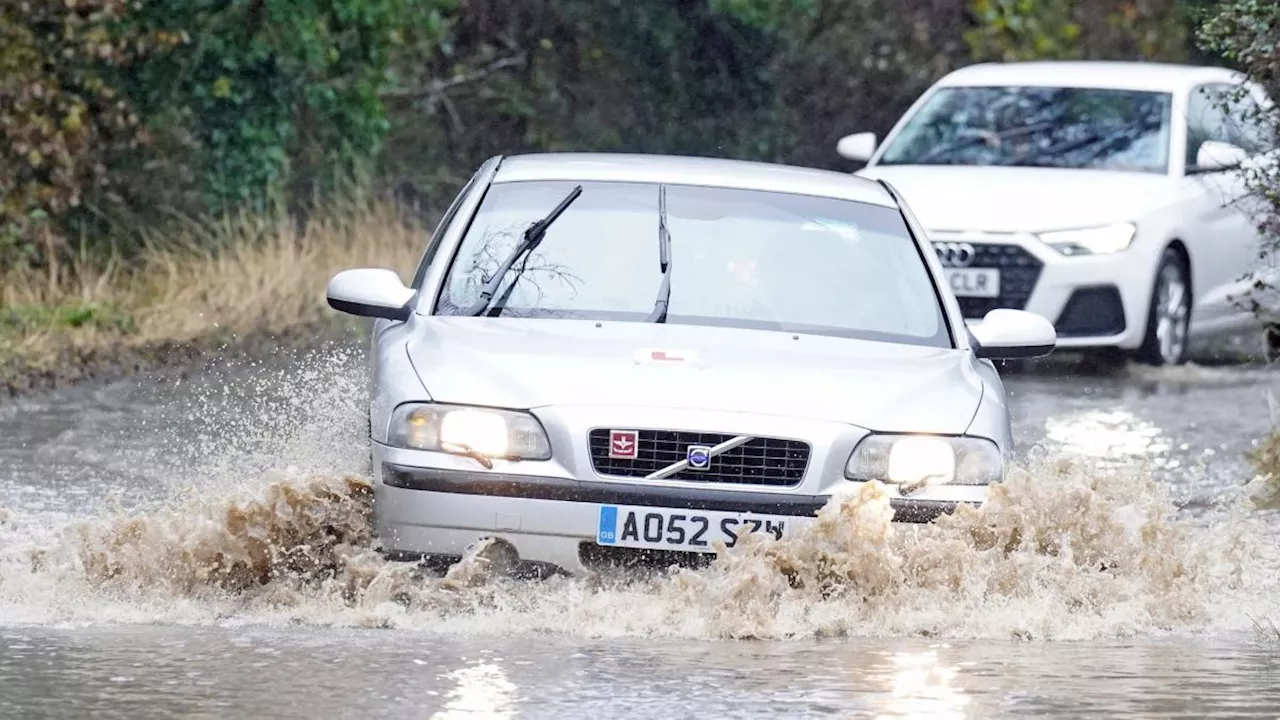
(955, 254)
(699, 457)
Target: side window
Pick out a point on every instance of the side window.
(1205, 121)
(433, 245)
(1227, 113)
(1249, 126)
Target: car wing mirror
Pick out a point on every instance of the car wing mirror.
(1006, 334)
(1214, 156)
(859, 146)
(370, 292)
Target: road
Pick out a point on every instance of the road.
(143, 574)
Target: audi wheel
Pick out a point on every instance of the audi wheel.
(1169, 315)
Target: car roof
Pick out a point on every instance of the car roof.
(685, 170)
(1151, 76)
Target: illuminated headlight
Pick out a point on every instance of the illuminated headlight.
(503, 434)
(915, 461)
(1091, 241)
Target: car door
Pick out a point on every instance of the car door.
(1223, 234)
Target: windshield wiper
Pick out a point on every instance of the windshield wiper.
(532, 237)
(659, 314)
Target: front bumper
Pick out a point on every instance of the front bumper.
(554, 520)
(1093, 301)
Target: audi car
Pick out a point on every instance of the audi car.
(1110, 198)
(602, 356)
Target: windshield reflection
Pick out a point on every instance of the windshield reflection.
(1105, 129)
(740, 258)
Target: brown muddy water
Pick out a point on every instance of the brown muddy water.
(200, 547)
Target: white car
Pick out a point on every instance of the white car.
(600, 354)
(1107, 197)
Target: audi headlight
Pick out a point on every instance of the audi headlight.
(915, 461)
(1091, 241)
(505, 434)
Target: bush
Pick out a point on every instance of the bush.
(62, 116)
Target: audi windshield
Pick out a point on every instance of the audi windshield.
(1059, 127)
(738, 258)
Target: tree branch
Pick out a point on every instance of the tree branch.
(437, 88)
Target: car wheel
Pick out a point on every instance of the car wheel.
(1169, 315)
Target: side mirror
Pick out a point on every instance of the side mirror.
(370, 292)
(860, 146)
(1006, 334)
(1214, 155)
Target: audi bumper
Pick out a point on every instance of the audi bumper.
(1094, 301)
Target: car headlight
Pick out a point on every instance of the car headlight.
(483, 432)
(1091, 241)
(916, 461)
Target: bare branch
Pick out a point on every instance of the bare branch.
(437, 88)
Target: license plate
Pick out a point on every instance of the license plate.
(688, 530)
(974, 282)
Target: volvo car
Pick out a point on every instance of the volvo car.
(606, 355)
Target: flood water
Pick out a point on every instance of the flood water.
(199, 546)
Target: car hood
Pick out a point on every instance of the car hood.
(1005, 199)
(528, 363)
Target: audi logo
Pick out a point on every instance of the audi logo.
(955, 254)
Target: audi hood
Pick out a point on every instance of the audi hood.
(530, 363)
(1015, 199)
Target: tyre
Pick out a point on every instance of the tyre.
(1169, 315)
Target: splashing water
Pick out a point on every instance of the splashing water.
(268, 521)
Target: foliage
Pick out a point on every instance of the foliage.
(272, 88)
(211, 106)
(62, 117)
(1013, 30)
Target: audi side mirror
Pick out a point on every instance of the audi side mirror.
(859, 146)
(1214, 156)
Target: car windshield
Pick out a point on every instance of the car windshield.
(739, 258)
(1060, 127)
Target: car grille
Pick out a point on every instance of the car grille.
(1019, 271)
(760, 461)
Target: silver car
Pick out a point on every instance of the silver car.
(607, 355)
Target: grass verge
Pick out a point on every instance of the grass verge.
(1266, 457)
(192, 291)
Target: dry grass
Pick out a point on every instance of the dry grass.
(241, 275)
(1266, 457)
(1265, 629)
